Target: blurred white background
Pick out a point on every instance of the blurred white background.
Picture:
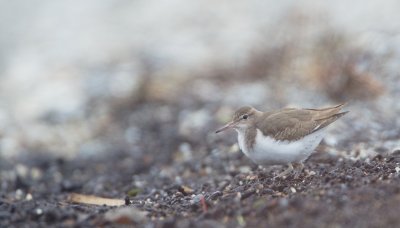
(59, 58)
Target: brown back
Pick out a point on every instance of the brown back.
(294, 124)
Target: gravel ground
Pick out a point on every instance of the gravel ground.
(217, 189)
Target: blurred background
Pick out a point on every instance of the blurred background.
(153, 79)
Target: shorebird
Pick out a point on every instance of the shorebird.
(281, 137)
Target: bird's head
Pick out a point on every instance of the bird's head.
(243, 118)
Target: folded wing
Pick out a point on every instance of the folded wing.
(294, 124)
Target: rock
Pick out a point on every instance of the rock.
(38, 211)
(186, 151)
(245, 169)
(215, 195)
(197, 198)
(28, 197)
(19, 194)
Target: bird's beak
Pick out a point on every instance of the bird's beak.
(227, 126)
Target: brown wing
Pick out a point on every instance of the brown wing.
(294, 124)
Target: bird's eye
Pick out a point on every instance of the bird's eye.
(245, 117)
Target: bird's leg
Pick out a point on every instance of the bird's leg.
(255, 167)
(299, 169)
(286, 171)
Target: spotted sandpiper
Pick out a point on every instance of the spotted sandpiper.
(281, 137)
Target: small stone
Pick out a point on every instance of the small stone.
(397, 169)
(244, 169)
(36, 173)
(21, 170)
(187, 190)
(39, 211)
(396, 152)
(251, 177)
(238, 197)
(249, 192)
(349, 178)
(293, 190)
(259, 186)
(186, 151)
(19, 194)
(208, 170)
(28, 197)
(234, 148)
(312, 173)
(196, 199)
(267, 191)
(215, 195)
(178, 180)
(178, 194)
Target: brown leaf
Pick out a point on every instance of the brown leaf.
(187, 190)
(95, 200)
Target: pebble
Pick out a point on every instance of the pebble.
(396, 151)
(238, 197)
(234, 148)
(208, 170)
(21, 170)
(186, 189)
(178, 180)
(196, 199)
(245, 169)
(39, 211)
(178, 194)
(19, 194)
(215, 195)
(36, 173)
(312, 173)
(267, 191)
(28, 197)
(186, 151)
(249, 192)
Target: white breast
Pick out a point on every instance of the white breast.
(267, 151)
(242, 143)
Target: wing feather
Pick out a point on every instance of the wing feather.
(294, 124)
